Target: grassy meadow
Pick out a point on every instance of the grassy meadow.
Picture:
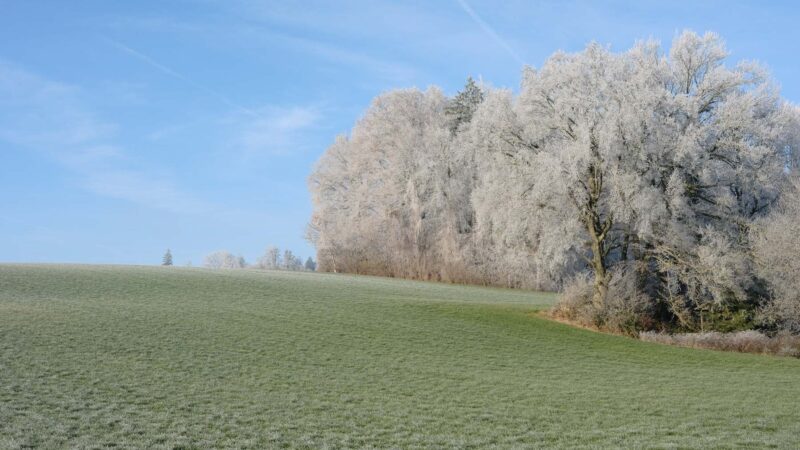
(151, 357)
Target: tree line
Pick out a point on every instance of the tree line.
(272, 259)
(655, 187)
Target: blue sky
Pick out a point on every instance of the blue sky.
(130, 127)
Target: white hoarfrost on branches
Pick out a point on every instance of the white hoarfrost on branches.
(224, 260)
(272, 259)
(646, 166)
(777, 246)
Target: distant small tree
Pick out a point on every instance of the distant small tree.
(271, 258)
(310, 265)
(167, 259)
(223, 260)
(290, 262)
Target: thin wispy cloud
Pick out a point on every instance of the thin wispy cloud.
(168, 71)
(49, 118)
(256, 26)
(392, 70)
(140, 188)
(490, 31)
(277, 131)
(237, 138)
(36, 112)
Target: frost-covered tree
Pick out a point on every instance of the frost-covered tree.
(505, 247)
(383, 178)
(777, 246)
(728, 133)
(271, 258)
(288, 260)
(567, 109)
(224, 260)
(653, 159)
(645, 168)
(291, 262)
(166, 260)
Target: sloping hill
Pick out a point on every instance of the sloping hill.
(165, 357)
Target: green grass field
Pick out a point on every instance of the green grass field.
(105, 356)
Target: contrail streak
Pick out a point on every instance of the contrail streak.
(153, 63)
(488, 30)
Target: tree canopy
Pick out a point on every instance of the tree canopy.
(645, 169)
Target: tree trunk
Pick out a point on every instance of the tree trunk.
(625, 243)
(598, 228)
(599, 267)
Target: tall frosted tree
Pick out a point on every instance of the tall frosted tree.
(655, 159)
(776, 248)
(376, 179)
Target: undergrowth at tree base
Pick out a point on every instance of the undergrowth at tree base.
(582, 315)
(750, 341)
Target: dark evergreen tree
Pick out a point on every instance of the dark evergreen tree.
(167, 259)
(310, 265)
(461, 108)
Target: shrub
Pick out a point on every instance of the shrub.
(626, 309)
(575, 302)
(783, 344)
